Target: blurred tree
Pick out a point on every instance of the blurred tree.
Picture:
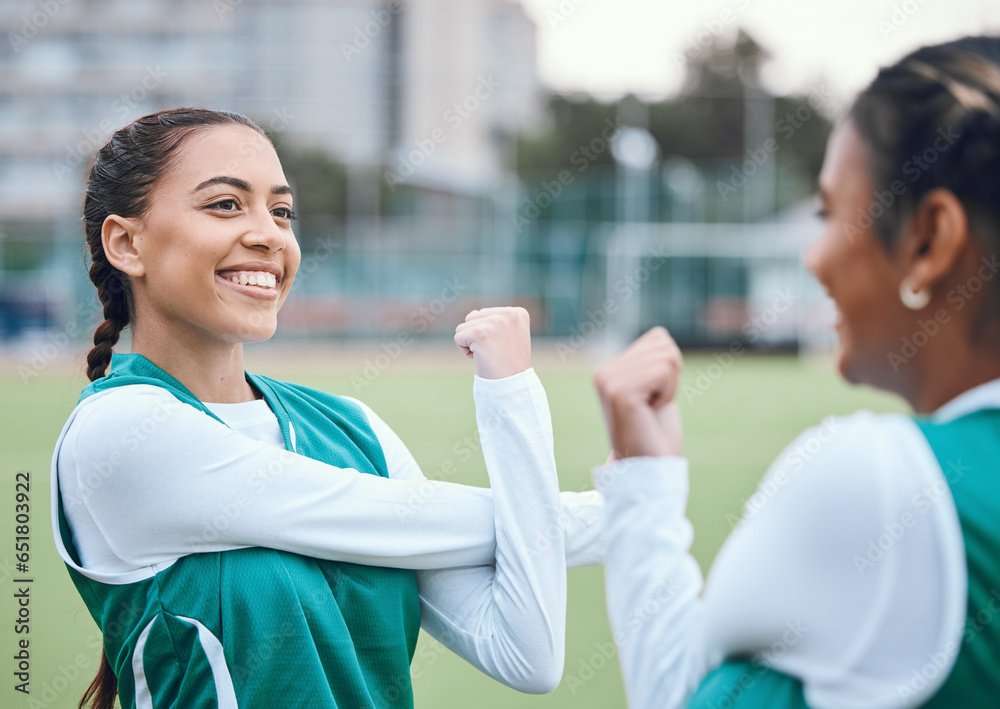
(705, 122)
(319, 181)
(575, 122)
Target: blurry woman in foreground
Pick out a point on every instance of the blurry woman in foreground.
(870, 577)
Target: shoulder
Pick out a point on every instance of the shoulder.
(844, 455)
(121, 419)
(129, 405)
(112, 425)
(854, 529)
(838, 484)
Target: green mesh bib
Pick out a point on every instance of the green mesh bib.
(258, 627)
(974, 681)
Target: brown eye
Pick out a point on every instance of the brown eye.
(226, 205)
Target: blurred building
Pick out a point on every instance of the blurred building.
(429, 94)
(369, 81)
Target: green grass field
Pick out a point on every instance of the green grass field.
(740, 420)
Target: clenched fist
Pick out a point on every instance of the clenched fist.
(637, 396)
(497, 339)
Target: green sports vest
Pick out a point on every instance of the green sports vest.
(974, 681)
(259, 627)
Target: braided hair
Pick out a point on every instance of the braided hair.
(931, 121)
(121, 180)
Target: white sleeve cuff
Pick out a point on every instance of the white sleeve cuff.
(635, 479)
(506, 385)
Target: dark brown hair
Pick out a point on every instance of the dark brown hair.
(930, 121)
(121, 182)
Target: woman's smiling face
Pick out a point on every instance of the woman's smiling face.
(217, 251)
(856, 270)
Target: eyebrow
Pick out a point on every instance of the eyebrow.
(239, 184)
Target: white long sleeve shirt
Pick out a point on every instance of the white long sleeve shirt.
(491, 562)
(847, 570)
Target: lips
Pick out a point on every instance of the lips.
(260, 279)
(256, 279)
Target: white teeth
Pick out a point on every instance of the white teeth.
(261, 279)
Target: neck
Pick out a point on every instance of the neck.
(212, 371)
(946, 373)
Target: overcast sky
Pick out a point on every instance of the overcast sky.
(608, 47)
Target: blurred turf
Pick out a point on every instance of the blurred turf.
(740, 419)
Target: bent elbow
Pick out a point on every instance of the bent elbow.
(541, 680)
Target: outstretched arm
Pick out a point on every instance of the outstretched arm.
(508, 619)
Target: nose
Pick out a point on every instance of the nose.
(264, 232)
(810, 258)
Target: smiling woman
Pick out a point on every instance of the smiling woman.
(869, 576)
(266, 544)
(226, 215)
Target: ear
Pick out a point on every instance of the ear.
(118, 237)
(939, 232)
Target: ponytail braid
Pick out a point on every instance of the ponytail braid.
(115, 294)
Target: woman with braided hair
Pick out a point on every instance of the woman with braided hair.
(867, 572)
(247, 542)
